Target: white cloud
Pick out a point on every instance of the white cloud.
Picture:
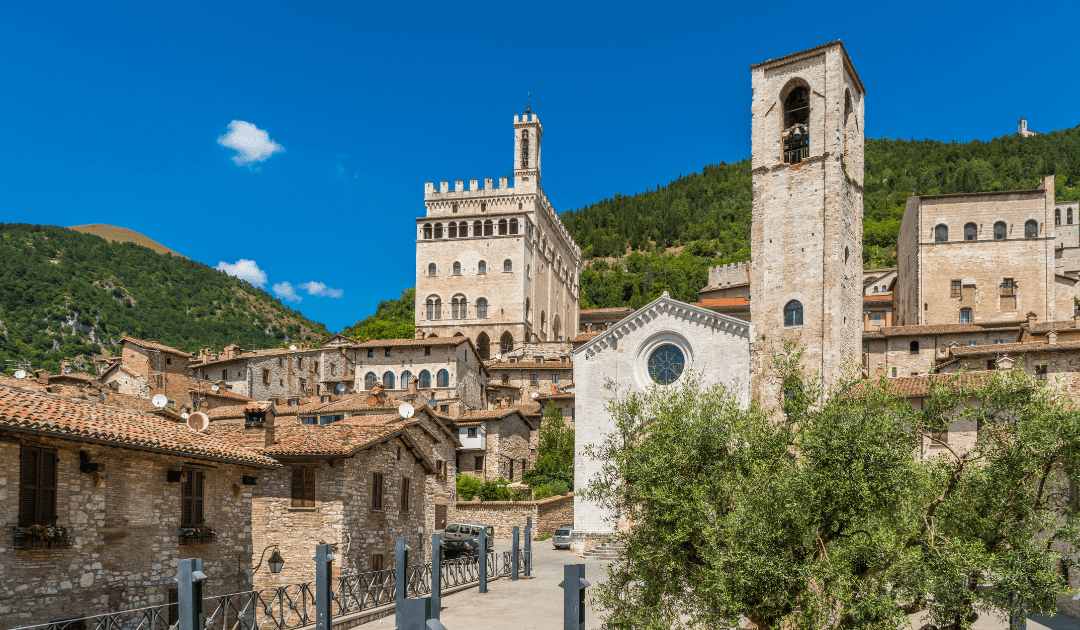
(250, 143)
(286, 292)
(319, 289)
(245, 270)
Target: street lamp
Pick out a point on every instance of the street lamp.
(275, 561)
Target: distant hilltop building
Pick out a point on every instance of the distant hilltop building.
(1021, 128)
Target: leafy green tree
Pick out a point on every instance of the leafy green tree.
(554, 453)
(825, 515)
(467, 487)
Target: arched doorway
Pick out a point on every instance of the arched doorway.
(483, 346)
(506, 342)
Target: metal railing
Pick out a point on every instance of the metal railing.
(293, 605)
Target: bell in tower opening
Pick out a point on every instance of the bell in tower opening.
(525, 149)
(796, 125)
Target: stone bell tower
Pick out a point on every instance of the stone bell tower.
(527, 134)
(806, 236)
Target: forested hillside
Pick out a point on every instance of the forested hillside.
(668, 237)
(68, 295)
(393, 319)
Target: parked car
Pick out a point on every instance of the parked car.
(463, 539)
(561, 539)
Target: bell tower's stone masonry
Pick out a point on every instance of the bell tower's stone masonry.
(806, 236)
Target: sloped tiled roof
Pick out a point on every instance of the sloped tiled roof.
(330, 439)
(153, 345)
(722, 302)
(559, 396)
(936, 329)
(221, 393)
(1046, 327)
(614, 310)
(1015, 349)
(530, 365)
(585, 336)
(430, 341)
(22, 410)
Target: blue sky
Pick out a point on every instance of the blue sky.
(120, 113)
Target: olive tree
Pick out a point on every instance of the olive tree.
(828, 512)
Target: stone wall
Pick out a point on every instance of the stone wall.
(164, 373)
(722, 276)
(467, 382)
(547, 515)
(125, 532)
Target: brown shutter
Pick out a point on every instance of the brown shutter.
(440, 517)
(186, 502)
(197, 498)
(297, 487)
(47, 488)
(30, 460)
(309, 487)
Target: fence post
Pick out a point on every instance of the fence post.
(528, 546)
(573, 586)
(514, 560)
(324, 587)
(483, 559)
(189, 579)
(436, 575)
(401, 558)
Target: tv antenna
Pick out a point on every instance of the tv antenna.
(160, 400)
(406, 410)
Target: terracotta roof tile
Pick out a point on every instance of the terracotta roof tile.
(430, 341)
(559, 396)
(329, 439)
(614, 310)
(530, 365)
(221, 393)
(1046, 327)
(586, 336)
(722, 302)
(936, 329)
(23, 410)
(153, 345)
(1015, 348)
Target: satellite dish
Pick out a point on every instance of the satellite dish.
(431, 403)
(340, 388)
(214, 388)
(292, 347)
(20, 373)
(160, 401)
(184, 415)
(372, 400)
(198, 421)
(67, 369)
(406, 410)
(535, 395)
(498, 357)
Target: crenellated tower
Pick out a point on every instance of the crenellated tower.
(527, 135)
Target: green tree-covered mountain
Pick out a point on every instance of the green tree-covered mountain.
(69, 295)
(667, 238)
(393, 319)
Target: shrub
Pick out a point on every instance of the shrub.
(467, 487)
(495, 491)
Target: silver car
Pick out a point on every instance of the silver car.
(561, 539)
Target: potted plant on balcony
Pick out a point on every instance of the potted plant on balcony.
(199, 535)
(42, 537)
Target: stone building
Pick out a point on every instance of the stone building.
(516, 381)
(564, 402)
(1067, 238)
(658, 345)
(600, 319)
(878, 281)
(127, 487)
(975, 258)
(902, 351)
(147, 368)
(496, 264)
(877, 311)
(448, 370)
(731, 280)
(286, 375)
(495, 443)
(806, 236)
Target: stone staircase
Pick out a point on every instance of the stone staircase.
(608, 551)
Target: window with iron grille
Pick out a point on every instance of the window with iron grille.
(37, 486)
(957, 289)
(191, 513)
(303, 487)
(376, 490)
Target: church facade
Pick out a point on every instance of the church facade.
(495, 263)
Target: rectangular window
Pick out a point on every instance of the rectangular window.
(371, 353)
(303, 487)
(266, 377)
(511, 470)
(538, 359)
(191, 513)
(37, 486)
(376, 490)
(303, 386)
(505, 378)
(224, 375)
(1008, 287)
(957, 289)
(478, 465)
(965, 316)
(300, 362)
(877, 318)
(307, 420)
(554, 379)
(377, 562)
(973, 342)
(511, 400)
(387, 352)
(532, 380)
(472, 432)
(405, 483)
(427, 350)
(168, 361)
(991, 364)
(1040, 371)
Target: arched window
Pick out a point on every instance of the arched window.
(452, 230)
(442, 379)
(388, 380)
(434, 308)
(431, 269)
(1000, 231)
(406, 376)
(438, 230)
(481, 308)
(481, 267)
(427, 230)
(941, 233)
(543, 321)
(513, 226)
(508, 266)
(1068, 216)
(1031, 229)
(793, 313)
(875, 289)
(506, 342)
(965, 316)
(457, 269)
(913, 347)
(463, 229)
(528, 308)
(369, 380)
(458, 307)
(502, 227)
(796, 132)
(487, 227)
(425, 379)
(483, 342)
(524, 148)
(1057, 216)
(971, 232)
(483, 207)
(477, 228)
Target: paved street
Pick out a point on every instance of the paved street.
(536, 604)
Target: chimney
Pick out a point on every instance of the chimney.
(1051, 338)
(414, 389)
(269, 438)
(42, 376)
(1032, 318)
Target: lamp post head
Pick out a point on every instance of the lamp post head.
(276, 562)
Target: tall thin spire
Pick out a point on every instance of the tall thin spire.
(528, 99)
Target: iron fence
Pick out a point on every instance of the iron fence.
(293, 605)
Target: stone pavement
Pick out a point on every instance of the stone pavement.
(536, 603)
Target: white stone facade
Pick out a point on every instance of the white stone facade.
(716, 349)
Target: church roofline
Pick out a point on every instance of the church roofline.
(711, 318)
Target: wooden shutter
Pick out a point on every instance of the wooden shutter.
(440, 517)
(30, 461)
(187, 502)
(405, 494)
(376, 491)
(197, 497)
(47, 488)
(303, 487)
